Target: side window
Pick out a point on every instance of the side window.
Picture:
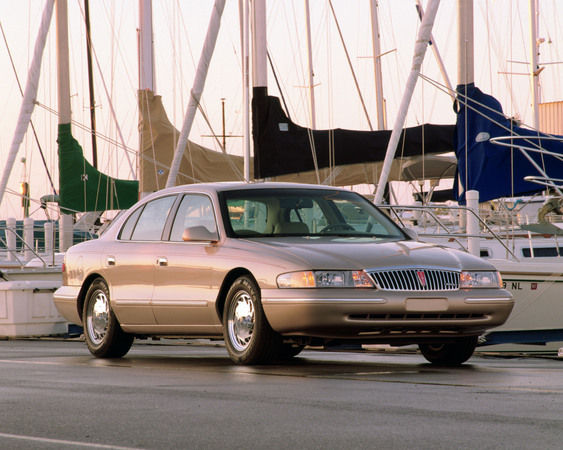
(151, 222)
(194, 210)
(129, 226)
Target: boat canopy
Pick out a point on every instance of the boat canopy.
(494, 154)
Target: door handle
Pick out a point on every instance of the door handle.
(162, 261)
(110, 261)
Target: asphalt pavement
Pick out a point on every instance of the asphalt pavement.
(188, 394)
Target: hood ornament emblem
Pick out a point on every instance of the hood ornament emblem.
(421, 277)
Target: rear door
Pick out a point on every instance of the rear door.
(131, 262)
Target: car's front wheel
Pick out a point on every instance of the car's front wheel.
(249, 338)
(104, 336)
(450, 353)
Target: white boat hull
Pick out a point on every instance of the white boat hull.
(538, 309)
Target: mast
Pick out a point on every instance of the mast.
(246, 80)
(381, 116)
(419, 51)
(259, 103)
(259, 70)
(465, 57)
(63, 81)
(534, 67)
(146, 68)
(146, 46)
(437, 55)
(310, 67)
(91, 83)
(29, 96)
(197, 89)
(63, 64)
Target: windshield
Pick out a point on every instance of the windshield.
(304, 212)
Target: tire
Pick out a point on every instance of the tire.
(104, 336)
(450, 353)
(249, 338)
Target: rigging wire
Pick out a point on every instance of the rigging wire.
(461, 98)
(108, 97)
(350, 64)
(274, 72)
(299, 56)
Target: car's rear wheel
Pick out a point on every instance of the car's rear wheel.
(450, 353)
(104, 336)
(249, 338)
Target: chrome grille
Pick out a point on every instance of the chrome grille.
(416, 279)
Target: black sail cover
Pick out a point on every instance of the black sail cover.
(281, 147)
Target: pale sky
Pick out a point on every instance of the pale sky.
(180, 27)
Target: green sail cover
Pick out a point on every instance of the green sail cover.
(82, 187)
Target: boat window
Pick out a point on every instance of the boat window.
(485, 253)
(541, 252)
(194, 210)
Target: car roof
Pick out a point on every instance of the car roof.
(236, 185)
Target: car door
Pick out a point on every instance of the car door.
(131, 262)
(183, 297)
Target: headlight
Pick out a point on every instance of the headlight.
(491, 279)
(325, 279)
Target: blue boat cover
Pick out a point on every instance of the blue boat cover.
(497, 171)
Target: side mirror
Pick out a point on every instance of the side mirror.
(199, 233)
(411, 233)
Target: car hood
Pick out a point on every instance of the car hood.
(365, 253)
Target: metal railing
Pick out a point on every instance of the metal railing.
(396, 213)
(18, 249)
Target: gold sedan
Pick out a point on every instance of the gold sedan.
(271, 268)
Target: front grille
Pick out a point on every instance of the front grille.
(416, 279)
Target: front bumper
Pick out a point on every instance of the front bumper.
(386, 316)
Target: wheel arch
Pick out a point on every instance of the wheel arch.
(226, 285)
(83, 290)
